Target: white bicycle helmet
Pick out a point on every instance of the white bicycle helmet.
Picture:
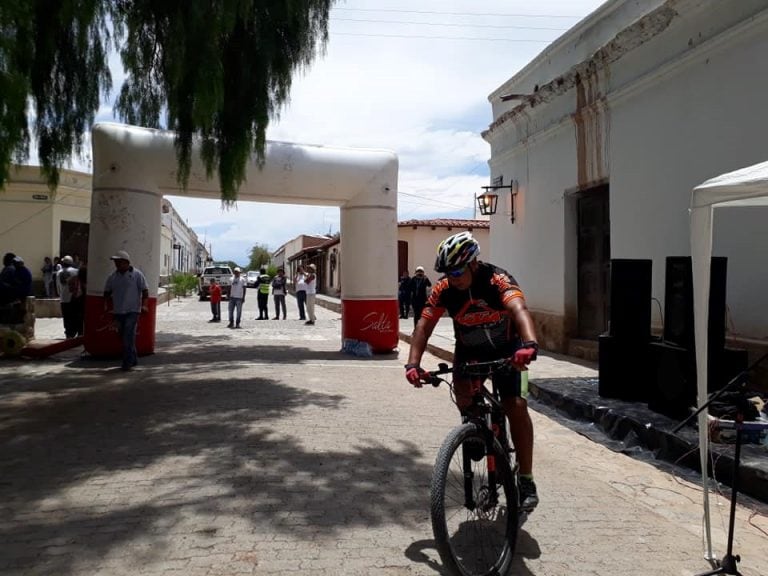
(456, 251)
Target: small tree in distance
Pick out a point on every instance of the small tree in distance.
(259, 256)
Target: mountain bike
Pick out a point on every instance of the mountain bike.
(474, 497)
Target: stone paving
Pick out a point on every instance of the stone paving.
(266, 451)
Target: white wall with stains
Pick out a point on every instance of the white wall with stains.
(668, 95)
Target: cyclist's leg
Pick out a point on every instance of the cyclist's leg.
(520, 425)
(462, 390)
(521, 430)
(463, 386)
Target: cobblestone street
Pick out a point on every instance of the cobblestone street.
(266, 451)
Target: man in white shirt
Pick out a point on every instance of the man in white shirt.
(66, 278)
(236, 299)
(126, 295)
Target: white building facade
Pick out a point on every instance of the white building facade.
(418, 241)
(36, 222)
(601, 139)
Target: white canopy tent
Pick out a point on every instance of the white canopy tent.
(745, 187)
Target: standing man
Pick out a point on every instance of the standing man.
(311, 281)
(23, 279)
(404, 295)
(236, 299)
(67, 281)
(47, 271)
(420, 286)
(126, 295)
(278, 293)
(490, 322)
(8, 288)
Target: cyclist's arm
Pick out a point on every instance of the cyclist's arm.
(522, 318)
(421, 334)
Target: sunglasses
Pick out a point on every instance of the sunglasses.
(456, 273)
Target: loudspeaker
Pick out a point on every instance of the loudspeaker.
(726, 366)
(623, 371)
(674, 382)
(673, 391)
(678, 303)
(630, 295)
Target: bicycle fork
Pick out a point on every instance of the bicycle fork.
(486, 496)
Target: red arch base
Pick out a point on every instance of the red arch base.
(372, 321)
(101, 337)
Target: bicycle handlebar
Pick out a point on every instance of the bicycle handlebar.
(477, 369)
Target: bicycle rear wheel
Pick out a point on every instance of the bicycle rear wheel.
(475, 525)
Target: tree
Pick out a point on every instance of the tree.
(217, 70)
(260, 256)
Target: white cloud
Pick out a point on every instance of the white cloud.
(423, 96)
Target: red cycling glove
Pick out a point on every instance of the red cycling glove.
(525, 355)
(413, 374)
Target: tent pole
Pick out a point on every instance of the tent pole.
(701, 257)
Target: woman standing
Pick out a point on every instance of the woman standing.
(47, 271)
(311, 280)
(300, 281)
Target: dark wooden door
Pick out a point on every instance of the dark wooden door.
(402, 258)
(73, 240)
(594, 258)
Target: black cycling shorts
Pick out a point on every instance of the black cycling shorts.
(506, 381)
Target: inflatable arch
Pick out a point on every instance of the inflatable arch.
(133, 167)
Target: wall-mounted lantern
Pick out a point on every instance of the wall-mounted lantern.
(488, 200)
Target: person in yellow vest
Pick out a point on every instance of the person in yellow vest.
(262, 285)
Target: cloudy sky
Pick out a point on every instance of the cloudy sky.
(412, 77)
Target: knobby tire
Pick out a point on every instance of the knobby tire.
(478, 542)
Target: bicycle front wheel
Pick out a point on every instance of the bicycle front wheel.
(475, 524)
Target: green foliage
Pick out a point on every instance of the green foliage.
(259, 256)
(183, 284)
(233, 265)
(53, 57)
(219, 70)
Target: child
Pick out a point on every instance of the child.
(215, 293)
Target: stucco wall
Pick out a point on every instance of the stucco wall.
(678, 128)
(668, 103)
(31, 215)
(423, 242)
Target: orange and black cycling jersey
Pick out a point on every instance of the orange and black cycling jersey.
(481, 324)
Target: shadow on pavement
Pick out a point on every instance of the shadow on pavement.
(65, 433)
(526, 547)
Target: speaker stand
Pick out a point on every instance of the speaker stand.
(729, 563)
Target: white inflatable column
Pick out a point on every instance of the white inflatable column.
(369, 264)
(125, 215)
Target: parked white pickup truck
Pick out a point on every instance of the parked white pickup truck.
(222, 274)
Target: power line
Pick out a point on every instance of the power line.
(440, 202)
(458, 13)
(488, 26)
(518, 40)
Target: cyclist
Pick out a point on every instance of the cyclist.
(490, 322)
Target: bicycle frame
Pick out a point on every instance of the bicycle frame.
(487, 414)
